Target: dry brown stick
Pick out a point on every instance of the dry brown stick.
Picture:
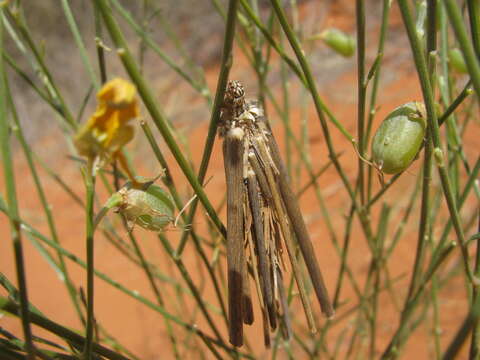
(298, 224)
(255, 266)
(265, 280)
(284, 303)
(247, 296)
(277, 203)
(233, 161)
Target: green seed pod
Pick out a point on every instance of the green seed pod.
(151, 209)
(399, 138)
(147, 205)
(456, 60)
(339, 41)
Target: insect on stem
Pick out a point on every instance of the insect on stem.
(262, 215)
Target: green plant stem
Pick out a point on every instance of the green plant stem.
(433, 125)
(100, 50)
(148, 41)
(89, 177)
(227, 61)
(81, 46)
(387, 4)
(63, 332)
(320, 108)
(168, 181)
(362, 94)
(12, 63)
(134, 294)
(465, 44)
(266, 33)
(22, 27)
(461, 336)
(467, 90)
(300, 72)
(13, 212)
(46, 207)
(474, 17)
(392, 350)
(181, 267)
(427, 162)
(377, 267)
(154, 287)
(475, 343)
(149, 101)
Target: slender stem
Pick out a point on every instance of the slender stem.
(152, 106)
(300, 55)
(60, 330)
(427, 162)
(89, 177)
(475, 343)
(465, 44)
(467, 90)
(442, 165)
(181, 267)
(22, 27)
(320, 108)
(78, 40)
(362, 93)
(148, 41)
(462, 334)
(474, 17)
(227, 60)
(100, 50)
(387, 4)
(13, 213)
(46, 206)
(123, 289)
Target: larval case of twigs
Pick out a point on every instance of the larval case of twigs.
(263, 219)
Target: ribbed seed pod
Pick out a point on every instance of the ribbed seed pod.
(152, 209)
(399, 138)
(146, 205)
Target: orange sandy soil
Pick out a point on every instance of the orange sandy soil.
(142, 330)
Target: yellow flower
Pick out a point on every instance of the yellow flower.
(107, 131)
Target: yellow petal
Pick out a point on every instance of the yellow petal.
(106, 130)
(118, 93)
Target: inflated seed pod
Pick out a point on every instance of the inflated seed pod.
(337, 40)
(457, 61)
(145, 204)
(399, 138)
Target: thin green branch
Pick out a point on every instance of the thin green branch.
(79, 42)
(13, 212)
(227, 61)
(152, 106)
(471, 60)
(89, 178)
(441, 163)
